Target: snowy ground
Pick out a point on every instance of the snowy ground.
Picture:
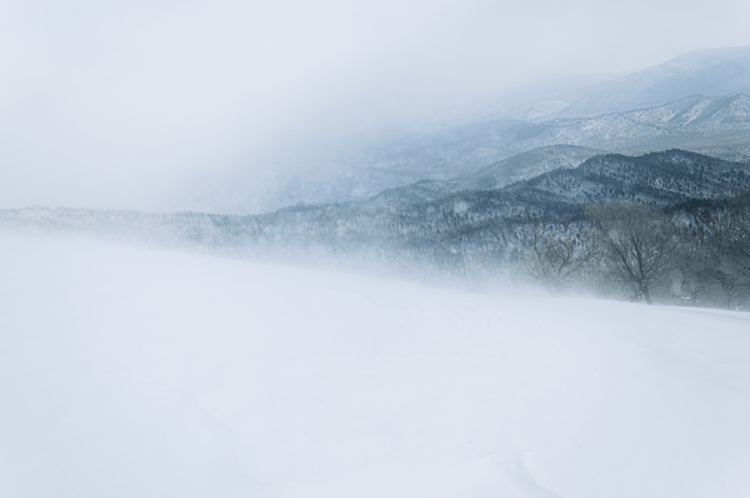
(128, 372)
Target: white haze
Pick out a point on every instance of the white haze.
(127, 372)
(134, 104)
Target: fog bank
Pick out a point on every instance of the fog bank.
(135, 105)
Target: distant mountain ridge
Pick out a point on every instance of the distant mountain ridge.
(513, 169)
(529, 164)
(690, 123)
(709, 72)
(697, 101)
(717, 126)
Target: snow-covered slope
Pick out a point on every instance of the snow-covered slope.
(131, 372)
(711, 72)
(691, 123)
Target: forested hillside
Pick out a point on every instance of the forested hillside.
(437, 228)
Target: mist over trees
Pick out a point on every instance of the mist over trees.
(665, 227)
(558, 258)
(694, 253)
(636, 245)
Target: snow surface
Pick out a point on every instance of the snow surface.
(130, 372)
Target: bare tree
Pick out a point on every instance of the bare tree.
(556, 255)
(637, 246)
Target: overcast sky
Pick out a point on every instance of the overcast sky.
(106, 104)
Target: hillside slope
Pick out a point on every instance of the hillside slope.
(128, 372)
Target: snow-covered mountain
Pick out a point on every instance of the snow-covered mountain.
(712, 72)
(717, 126)
(129, 372)
(698, 102)
(693, 123)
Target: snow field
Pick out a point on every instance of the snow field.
(127, 372)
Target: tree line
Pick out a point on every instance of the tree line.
(695, 253)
